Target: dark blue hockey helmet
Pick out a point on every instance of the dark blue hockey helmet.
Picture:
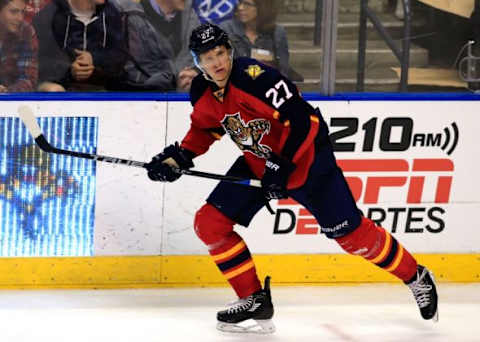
(206, 37)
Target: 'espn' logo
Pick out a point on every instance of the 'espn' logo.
(410, 183)
(375, 176)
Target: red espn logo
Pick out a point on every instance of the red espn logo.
(374, 183)
(372, 177)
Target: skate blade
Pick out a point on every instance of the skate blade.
(435, 317)
(259, 327)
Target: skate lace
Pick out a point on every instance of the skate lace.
(421, 290)
(240, 305)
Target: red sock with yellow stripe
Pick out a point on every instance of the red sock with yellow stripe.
(379, 247)
(227, 249)
(233, 259)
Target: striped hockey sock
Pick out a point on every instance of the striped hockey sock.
(235, 262)
(378, 246)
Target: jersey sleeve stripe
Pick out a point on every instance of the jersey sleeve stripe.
(308, 140)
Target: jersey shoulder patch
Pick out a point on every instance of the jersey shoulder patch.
(249, 69)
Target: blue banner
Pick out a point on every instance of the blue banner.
(47, 201)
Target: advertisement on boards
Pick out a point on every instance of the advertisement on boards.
(410, 166)
(55, 205)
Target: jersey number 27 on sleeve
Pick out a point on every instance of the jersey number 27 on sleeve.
(277, 100)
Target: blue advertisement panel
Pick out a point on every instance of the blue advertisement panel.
(47, 201)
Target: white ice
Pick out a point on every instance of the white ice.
(305, 314)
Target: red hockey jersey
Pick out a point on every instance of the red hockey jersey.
(261, 111)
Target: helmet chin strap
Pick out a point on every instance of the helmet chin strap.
(204, 72)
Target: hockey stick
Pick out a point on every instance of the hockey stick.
(29, 120)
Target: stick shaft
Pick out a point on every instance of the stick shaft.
(45, 146)
(42, 142)
(232, 179)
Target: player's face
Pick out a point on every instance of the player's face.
(247, 11)
(12, 15)
(217, 63)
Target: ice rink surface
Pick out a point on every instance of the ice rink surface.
(306, 314)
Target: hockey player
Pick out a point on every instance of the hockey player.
(285, 144)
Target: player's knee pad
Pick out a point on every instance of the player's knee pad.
(211, 225)
(366, 240)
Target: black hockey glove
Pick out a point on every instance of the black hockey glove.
(160, 171)
(275, 177)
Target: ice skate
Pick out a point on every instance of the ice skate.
(425, 293)
(249, 315)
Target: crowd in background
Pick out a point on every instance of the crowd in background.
(141, 45)
(125, 45)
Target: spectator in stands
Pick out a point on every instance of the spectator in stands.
(214, 11)
(150, 65)
(81, 45)
(33, 8)
(18, 49)
(174, 21)
(254, 33)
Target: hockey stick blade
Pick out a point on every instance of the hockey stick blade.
(30, 121)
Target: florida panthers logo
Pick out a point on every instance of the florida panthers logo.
(247, 136)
